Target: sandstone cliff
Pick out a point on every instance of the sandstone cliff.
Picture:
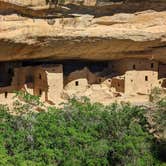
(86, 30)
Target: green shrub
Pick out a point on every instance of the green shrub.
(79, 134)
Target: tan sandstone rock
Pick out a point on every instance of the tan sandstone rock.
(96, 33)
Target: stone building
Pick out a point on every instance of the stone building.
(6, 70)
(138, 75)
(126, 77)
(80, 79)
(44, 81)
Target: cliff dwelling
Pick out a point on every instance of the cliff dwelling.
(89, 48)
(44, 81)
(57, 81)
(140, 75)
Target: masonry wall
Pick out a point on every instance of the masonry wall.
(77, 85)
(22, 76)
(5, 92)
(6, 70)
(121, 66)
(118, 84)
(83, 76)
(162, 71)
(43, 81)
(141, 75)
(140, 81)
(40, 83)
(54, 77)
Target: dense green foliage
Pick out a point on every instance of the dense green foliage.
(79, 134)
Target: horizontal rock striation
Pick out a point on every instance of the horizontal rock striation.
(106, 31)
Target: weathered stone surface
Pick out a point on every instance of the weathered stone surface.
(101, 35)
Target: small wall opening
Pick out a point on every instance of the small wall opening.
(76, 83)
(10, 71)
(40, 92)
(146, 78)
(134, 67)
(29, 79)
(152, 65)
(99, 80)
(6, 94)
(163, 84)
(40, 77)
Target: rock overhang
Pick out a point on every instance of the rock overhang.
(113, 36)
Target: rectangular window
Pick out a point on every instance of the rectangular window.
(146, 78)
(6, 94)
(152, 65)
(40, 92)
(76, 83)
(40, 77)
(134, 66)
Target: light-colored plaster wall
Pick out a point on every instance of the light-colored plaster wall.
(6, 94)
(107, 82)
(54, 77)
(141, 75)
(77, 85)
(140, 81)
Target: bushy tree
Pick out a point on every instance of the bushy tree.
(79, 134)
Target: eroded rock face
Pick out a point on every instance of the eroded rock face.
(95, 34)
